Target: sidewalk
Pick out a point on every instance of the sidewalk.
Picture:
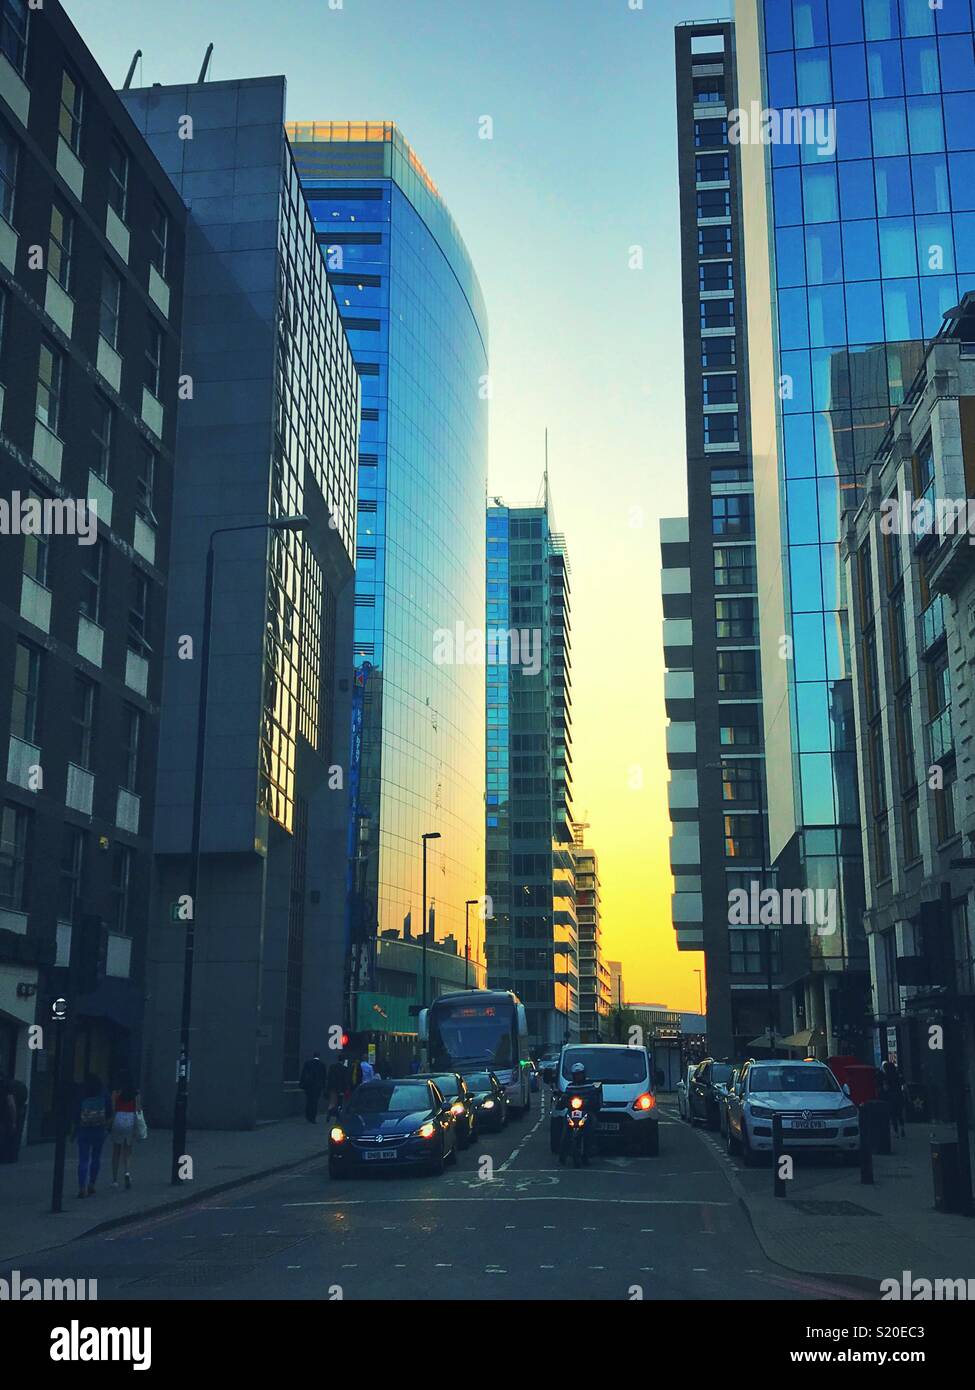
(221, 1159)
(876, 1233)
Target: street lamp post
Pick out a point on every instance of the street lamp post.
(430, 835)
(286, 523)
(471, 902)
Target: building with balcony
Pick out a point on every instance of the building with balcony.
(910, 569)
(532, 941)
(269, 430)
(593, 970)
(92, 238)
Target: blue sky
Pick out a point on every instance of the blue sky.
(581, 168)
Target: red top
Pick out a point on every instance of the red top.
(123, 1105)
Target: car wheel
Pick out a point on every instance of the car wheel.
(438, 1164)
(650, 1148)
(732, 1142)
(454, 1153)
(749, 1156)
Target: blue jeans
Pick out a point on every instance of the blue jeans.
(90, 1143)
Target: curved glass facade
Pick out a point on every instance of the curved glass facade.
(870, 239)
(414, 316)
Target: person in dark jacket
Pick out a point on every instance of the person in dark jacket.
(312, 1082)
(335, 1086)
(8, 1121)
(893, 1094)
(92, 1120)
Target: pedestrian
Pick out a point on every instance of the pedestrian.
(366, 1069)
(8, 1121)
(312, 1082)
(414, 1066)
(893, 1093)
(92, 1120)
(335, 1083)
(125, 1103)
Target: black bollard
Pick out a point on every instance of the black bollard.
(778, 1182)
(866, 1152)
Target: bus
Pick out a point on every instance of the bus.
(483, 1030)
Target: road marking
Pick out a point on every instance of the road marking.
(699, 1271)
(442, 1266)
(546, 1266)
(512, 1156)
(522, 1197)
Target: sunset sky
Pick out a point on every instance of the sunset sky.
(578, 182)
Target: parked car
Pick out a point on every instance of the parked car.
(683, 1086)
(547, 1065)
(629, 1106)
(724, 1090)
(403, 1123)
(453, 1088)
(703, 1100)
(490, 1101)
(817, 1113)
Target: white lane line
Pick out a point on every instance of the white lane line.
(699, 1271)
(546, 1266)
(525, 1138)
(522, 1197)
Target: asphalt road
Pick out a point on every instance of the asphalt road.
(505, 1223)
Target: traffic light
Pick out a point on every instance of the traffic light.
(92, 953)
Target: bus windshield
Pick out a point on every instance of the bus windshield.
(473, 1034)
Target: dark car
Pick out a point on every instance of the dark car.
(490, 1101)
(452, 1087)
(402, 1123)
(705, 1092)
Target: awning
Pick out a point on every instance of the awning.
(809, 1037)
(762, 1041)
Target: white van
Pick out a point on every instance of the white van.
(629, 1110)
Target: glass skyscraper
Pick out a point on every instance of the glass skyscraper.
(858, 238)
(415, 318)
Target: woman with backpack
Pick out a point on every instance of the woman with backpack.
(125, 1105)
(93, 1116)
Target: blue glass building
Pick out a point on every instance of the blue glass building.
(855, 247)
(414, 316)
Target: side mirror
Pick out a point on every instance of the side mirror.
(846, 1088)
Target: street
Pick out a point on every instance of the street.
(669, 1228)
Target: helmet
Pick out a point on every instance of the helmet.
(578, 1071)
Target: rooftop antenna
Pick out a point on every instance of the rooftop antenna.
(546, 469)
(206, 63)
(128, 76)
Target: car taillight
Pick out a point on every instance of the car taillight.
(457, 1108)
(645, 1102)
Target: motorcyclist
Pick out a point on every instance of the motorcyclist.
(591, 1095)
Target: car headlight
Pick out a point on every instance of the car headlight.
(487, 1105)
(760, 1112)
(847, 1112)
(427, 1130)
(457, 1108)
(337, 1135)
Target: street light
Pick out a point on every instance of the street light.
(700, 992)
(283, 523)
(471, 902)
(430, 835)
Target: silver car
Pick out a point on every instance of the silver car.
(816, 1111)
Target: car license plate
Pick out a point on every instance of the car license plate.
(608, 1126)
(380, 1153)
(808, 1124)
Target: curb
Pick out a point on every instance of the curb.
(160, 1208)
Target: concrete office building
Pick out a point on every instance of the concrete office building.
(911, 582)
(91, 269)
(713, 688)
(532, 944)
(270, 430)
(415, 318)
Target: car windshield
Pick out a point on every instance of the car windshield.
(612, 1065)
(721, 1072)
(792, 1079)
(447, 1086)
(478, 1081)
(377, 1100)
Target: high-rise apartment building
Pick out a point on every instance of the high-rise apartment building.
(593, 970)
(91, 271)
(713, 688)
(414, 316)
(531, 942)
(269, 429)
(857, 152)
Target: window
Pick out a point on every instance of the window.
(154, 349)
(924, 467)
(710, 132)
(737, 671)
(898, 639)
(50, 386)
(15, 824)
(731, 514)
(734, 567)
(92, 581)
(714, 241)
(749, 948)
(713, 202)
(9, 150)
(743, 838)
(13, 32)
(721, 390)
(721, 429)
(708, 91)
(27, 689)
(905, 742)
(711, 168)
(82, 721)
(121, 886)
(715, 275)
(738, 473)
(111, 305)
(69, 117)
(59, 246)
(72, 873)
(739, 736)
(145, 484)
(132, 746)
(740, 780)
(881, 848)
(944, 808)
(717, 353)
(37, 549)
(159, 246)
(878, 781)
(139, 613)
(912, 840)
(735, 617)
(103, 438)
(118, 179)
(717, 313)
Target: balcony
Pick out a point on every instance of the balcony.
(24, 764)
(14, 90)
(127, 808)
(136, 672)
(158, 291)
(63, 957)
(15, 922)
(117, 233)
(91, 639)
(118, 961)
(8, 246)
(109, 363)
(931, 624)
(35, 603)
(48, 449)
(940, 735)
(71, 169)
(80, 792)
(144, 540)
(152, 412)
(100, 497)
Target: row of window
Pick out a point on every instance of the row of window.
(52, 374)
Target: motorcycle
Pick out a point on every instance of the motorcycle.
(575, 1135)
